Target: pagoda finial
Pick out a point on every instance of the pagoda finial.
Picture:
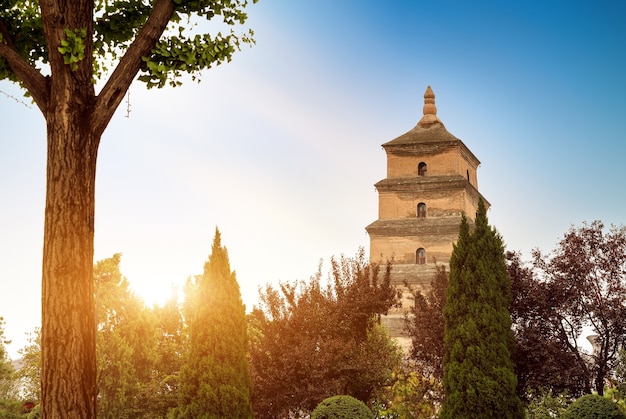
(430, 110)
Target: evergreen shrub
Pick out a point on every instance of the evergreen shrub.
(593, 406)
(479, 375)
(342, 407)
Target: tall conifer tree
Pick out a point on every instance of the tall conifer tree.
(479, 381)
(215, 379)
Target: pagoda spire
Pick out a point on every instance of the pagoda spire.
(430, 110)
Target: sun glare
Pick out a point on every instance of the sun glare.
(155, 293)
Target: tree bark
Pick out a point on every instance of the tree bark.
(68, 338)
(68, 324)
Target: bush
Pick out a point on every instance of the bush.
(342, 407)
(12, 409)
(545, 405)
(592, 406)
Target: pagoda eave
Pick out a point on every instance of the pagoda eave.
(422, 227)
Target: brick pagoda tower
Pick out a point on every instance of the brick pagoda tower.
(431, 182)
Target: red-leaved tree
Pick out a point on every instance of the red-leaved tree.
(584, 286)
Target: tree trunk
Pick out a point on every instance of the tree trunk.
(68, 333)
(600, 374)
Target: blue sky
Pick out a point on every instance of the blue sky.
(280, 148)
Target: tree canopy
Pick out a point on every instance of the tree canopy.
(29, 373)
(316, 339)
(138, 350)
(582, 284)
(215, 376)
(160, 40)
(126, 345)
(543, 359)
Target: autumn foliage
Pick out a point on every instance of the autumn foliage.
(316, 339)
(577, 290)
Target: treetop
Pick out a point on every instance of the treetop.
(161, 40)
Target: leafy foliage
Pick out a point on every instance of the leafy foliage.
(544, 361)
(342, 407)
(478, 371)
(161, 392)
(24, 27)
(547, 328)
(584, 285)
(546, 405)
(425, 325)
(73, 47)
(9, 384)
(29, 374)
(116, 24)
(10, 405)
(593, 406)
(613, 394)
(6, 368)
(12, 409)
(126, 342)
(410, 396)
(139, 350)
(215, 378)
(311, 340)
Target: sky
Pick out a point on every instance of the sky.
(280, 148)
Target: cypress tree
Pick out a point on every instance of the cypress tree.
(215, 379)
(479, 380)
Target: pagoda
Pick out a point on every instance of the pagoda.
(431, 183)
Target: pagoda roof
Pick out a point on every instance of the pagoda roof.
(422, 133)
(429, 135)
(428, 129)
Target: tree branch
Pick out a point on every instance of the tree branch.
(129, 65)
(36, 84)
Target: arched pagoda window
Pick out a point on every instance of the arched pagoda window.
(420, 256)
(421, 210)
(422, 169)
